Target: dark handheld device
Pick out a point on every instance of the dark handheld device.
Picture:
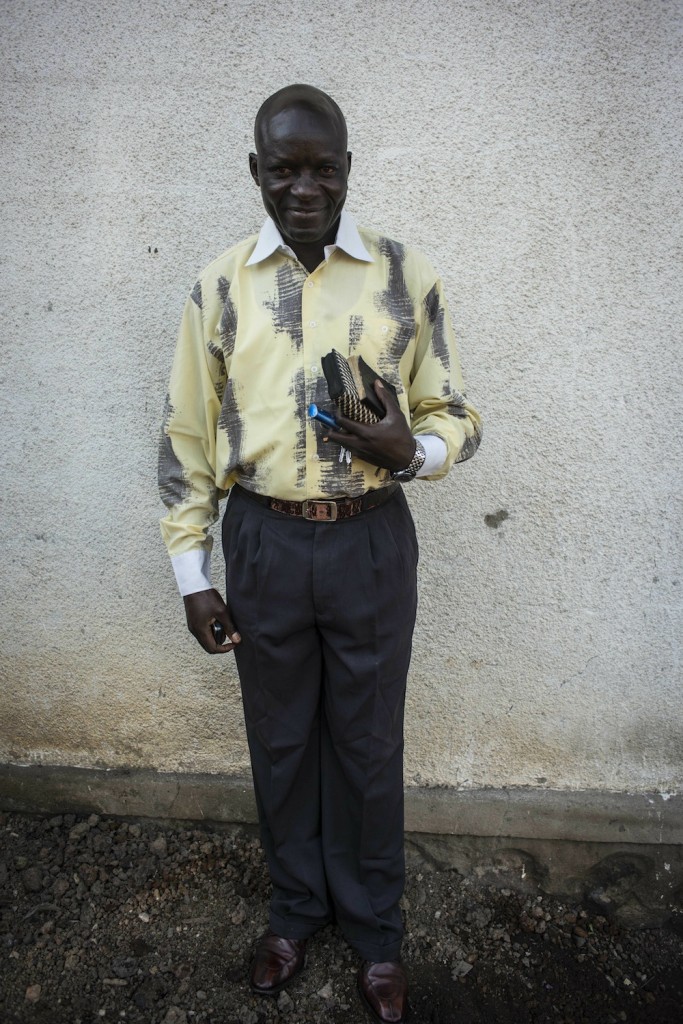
(218, 632)
(325, 418)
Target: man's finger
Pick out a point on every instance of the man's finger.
(229, 629)
(223, 648)
(388, 399)
(348, 440)
(217, 644)
(352, 426)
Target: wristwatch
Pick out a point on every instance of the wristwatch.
(411, 470)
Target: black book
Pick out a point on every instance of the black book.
(351, 384)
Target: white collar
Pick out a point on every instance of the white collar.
(348, 239)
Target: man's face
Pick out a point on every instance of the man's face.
(302, 168)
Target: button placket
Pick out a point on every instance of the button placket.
(310, 323)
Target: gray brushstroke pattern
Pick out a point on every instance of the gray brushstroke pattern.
(227, 327)
(297, 391)
(436, 315)
(174, 486)
(356, 328)
(230, 419)
(196, 294)
(217, 354)
(231, 423)
(457, 407)
(395, 302)
(286, 306)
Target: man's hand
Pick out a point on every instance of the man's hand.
(388, 443)
(204, 608)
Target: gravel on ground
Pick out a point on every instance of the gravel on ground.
(148, 923)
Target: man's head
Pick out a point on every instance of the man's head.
(301, 163)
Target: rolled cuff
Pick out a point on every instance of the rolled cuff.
(436, 452)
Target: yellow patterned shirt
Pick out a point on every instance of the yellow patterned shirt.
(248, 363)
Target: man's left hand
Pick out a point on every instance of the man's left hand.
(388, 444)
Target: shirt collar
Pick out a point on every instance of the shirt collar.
(348, 239)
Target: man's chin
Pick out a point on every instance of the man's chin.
(305, 233)
(309, 230)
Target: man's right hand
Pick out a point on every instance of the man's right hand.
(202, 610)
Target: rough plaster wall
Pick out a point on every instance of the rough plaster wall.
(532, 150)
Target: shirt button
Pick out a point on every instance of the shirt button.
(315, 457)
(384, 328)
(313, 323)
(314, 368)
(309, 284)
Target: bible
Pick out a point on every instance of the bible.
(351, 384)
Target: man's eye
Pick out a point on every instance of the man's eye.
(282, 172)
(328, 170)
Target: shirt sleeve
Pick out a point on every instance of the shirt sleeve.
(438, 405)
(187, 450)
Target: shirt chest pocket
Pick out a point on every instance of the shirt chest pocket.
(386, 344)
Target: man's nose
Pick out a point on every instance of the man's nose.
(305, 185)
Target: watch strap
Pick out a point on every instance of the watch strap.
(414, 466)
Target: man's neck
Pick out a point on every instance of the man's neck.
(312, 254)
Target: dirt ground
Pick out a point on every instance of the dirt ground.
(110, 920)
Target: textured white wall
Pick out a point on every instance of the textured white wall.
(532, 150)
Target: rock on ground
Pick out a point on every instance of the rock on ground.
(102, 919)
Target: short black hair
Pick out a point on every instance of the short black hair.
(300, 95)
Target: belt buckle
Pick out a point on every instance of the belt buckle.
(319, 511)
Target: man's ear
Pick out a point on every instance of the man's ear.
(253, 168)
(348, 163)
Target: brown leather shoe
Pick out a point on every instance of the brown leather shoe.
(276, 962)
(383, 988)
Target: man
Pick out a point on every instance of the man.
(319, 544)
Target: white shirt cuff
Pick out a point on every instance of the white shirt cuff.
(436, 452)
(192, 571)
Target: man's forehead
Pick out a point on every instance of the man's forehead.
(303, 123)
(300, 109)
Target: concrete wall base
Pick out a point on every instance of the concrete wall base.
(622, 852)
(637, 884)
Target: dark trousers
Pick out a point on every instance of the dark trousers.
(326, 613)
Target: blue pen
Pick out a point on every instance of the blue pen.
(324, 417)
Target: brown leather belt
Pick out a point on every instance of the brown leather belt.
(322, 510)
